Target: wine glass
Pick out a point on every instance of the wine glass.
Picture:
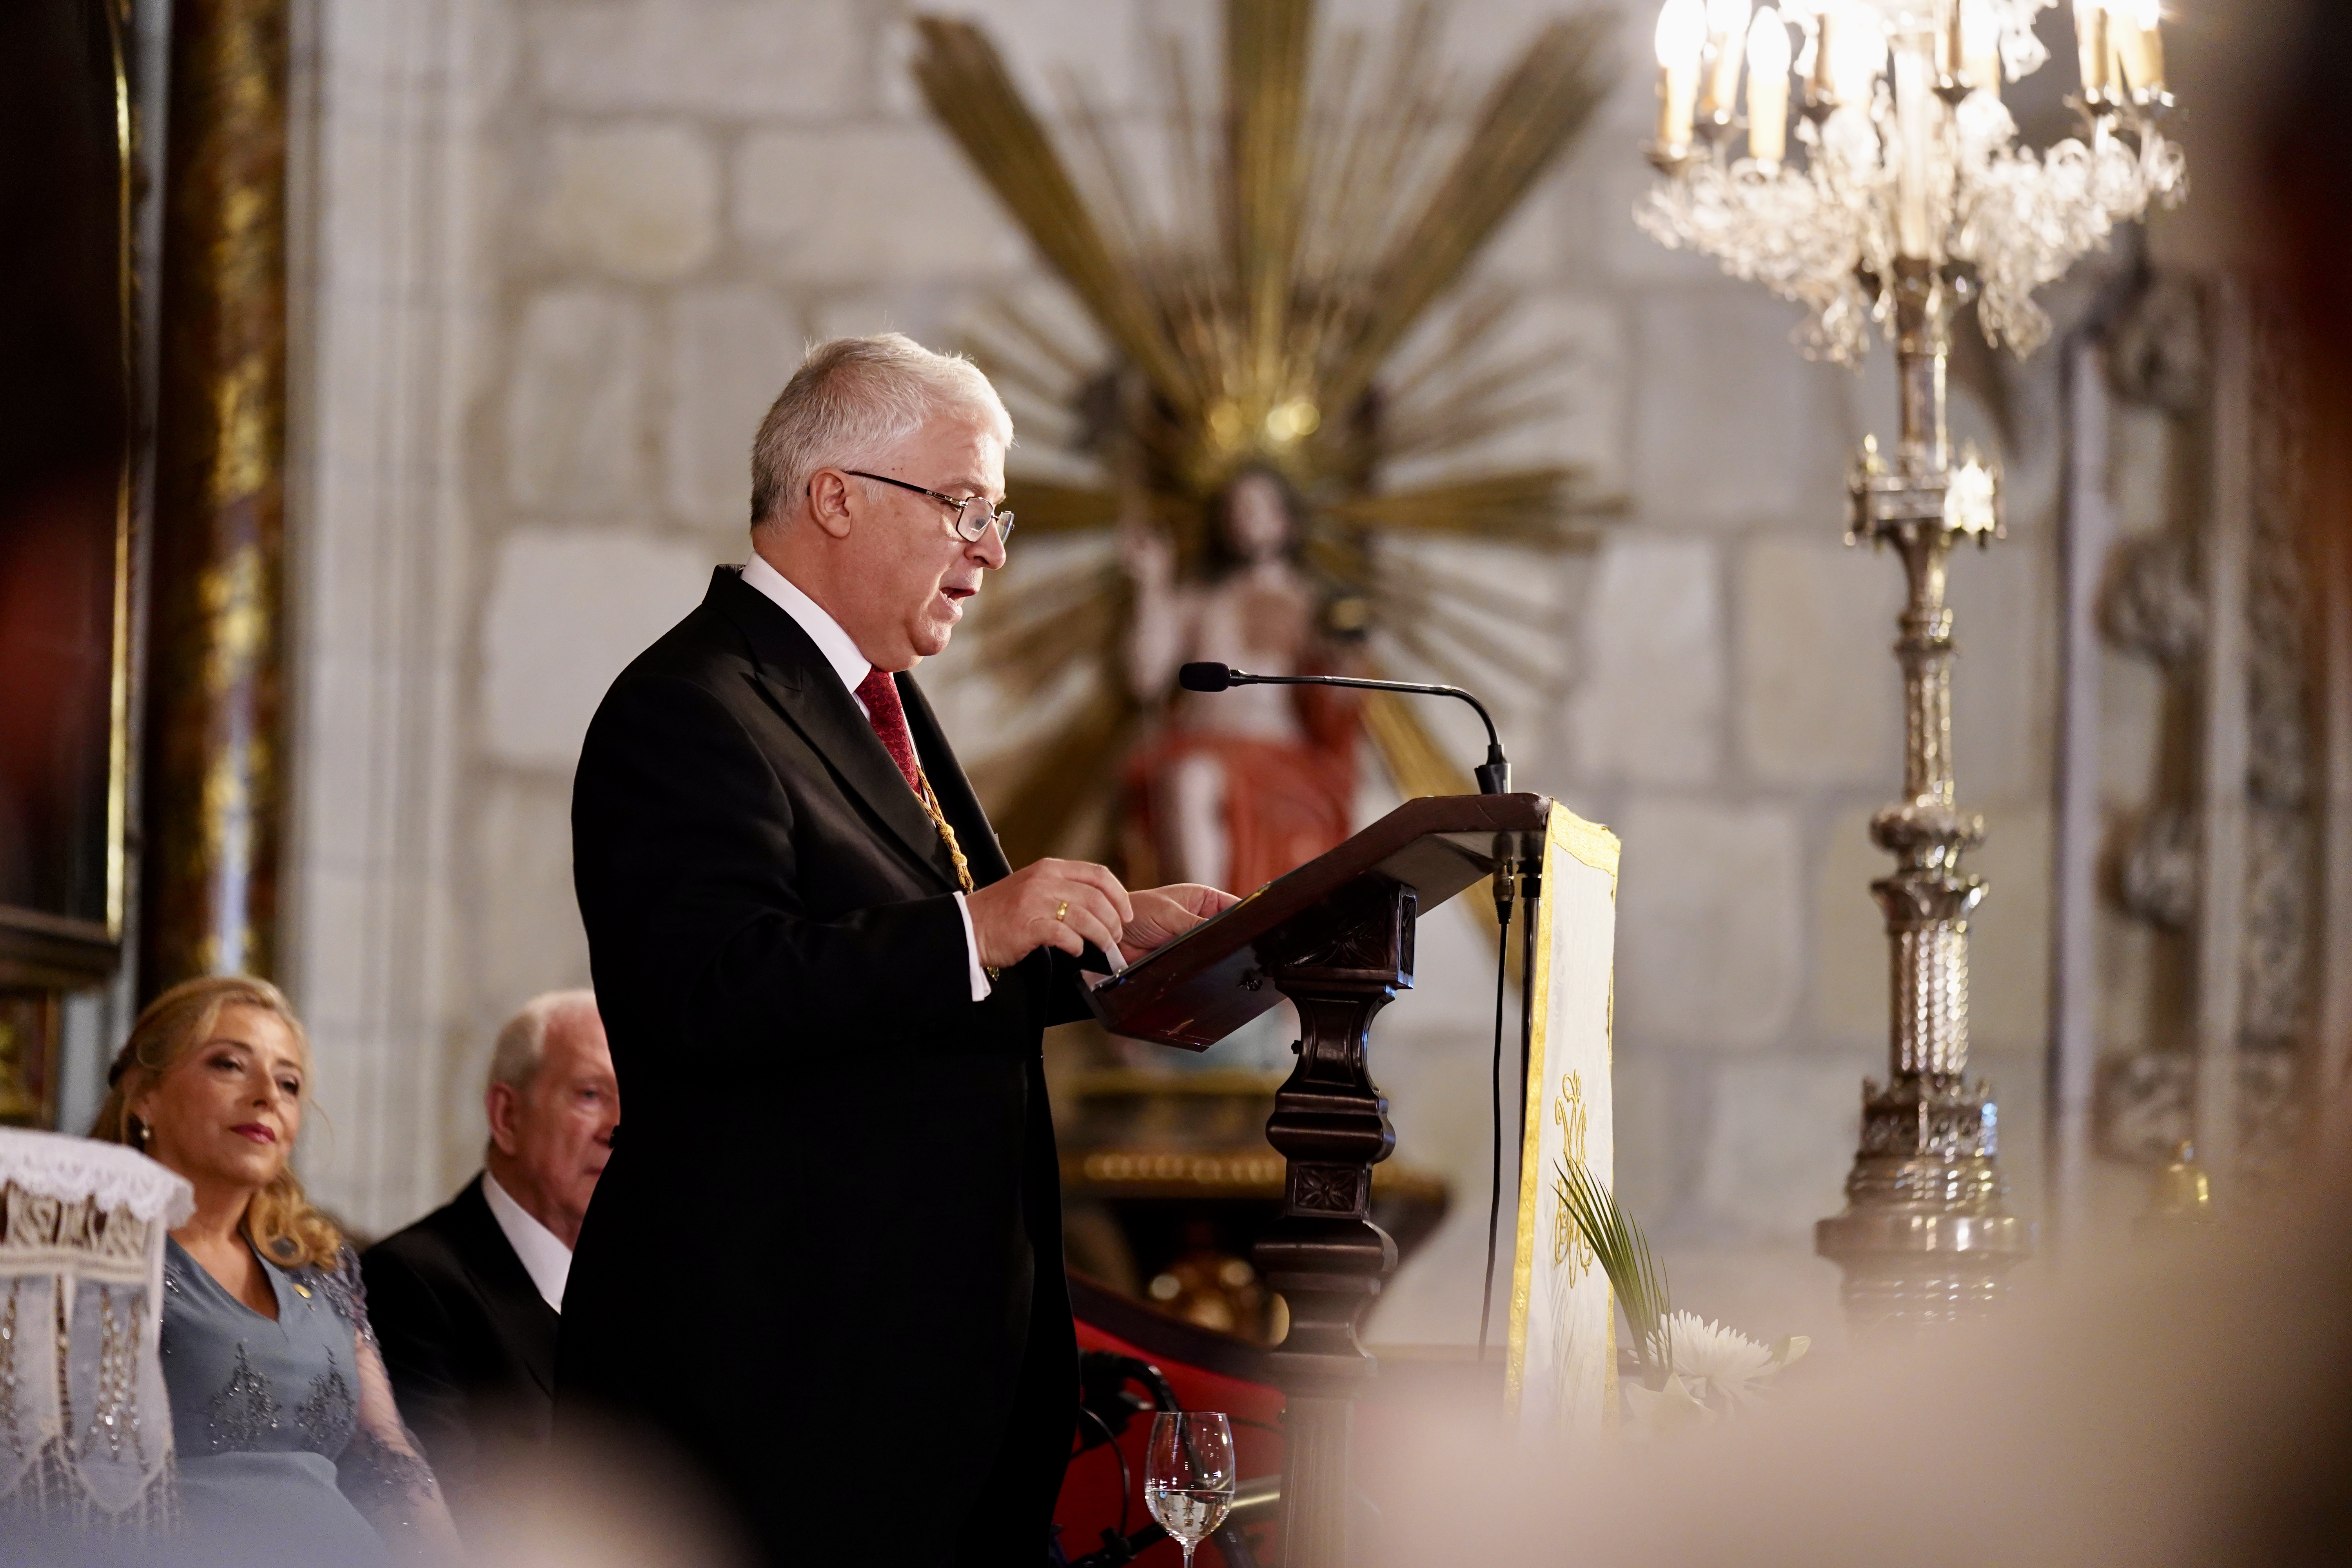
(1188, 1478)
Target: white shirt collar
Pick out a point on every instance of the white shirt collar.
(839, 651)
(545, 1256)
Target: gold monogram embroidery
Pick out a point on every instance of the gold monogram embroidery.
(1570, 1245)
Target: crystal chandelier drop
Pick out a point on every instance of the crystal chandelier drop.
(1905, 149)
(1908, 200)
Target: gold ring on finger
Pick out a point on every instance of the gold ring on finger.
(1063, 912)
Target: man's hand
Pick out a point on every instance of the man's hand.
(1015, 918)
(1163, 914)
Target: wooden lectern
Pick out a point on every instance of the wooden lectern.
(1336, 937)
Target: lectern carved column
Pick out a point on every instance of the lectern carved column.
(1324, 1254)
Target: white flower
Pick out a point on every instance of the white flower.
(1667, 1412)
(1719, 1361)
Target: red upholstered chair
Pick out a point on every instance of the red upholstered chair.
(1207, 1371)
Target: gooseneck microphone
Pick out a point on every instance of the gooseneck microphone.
(1494, 778)
(1494, 775)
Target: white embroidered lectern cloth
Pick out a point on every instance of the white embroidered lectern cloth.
(1562, 1373)
(85, 1423)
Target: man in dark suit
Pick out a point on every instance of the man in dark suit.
(466, 1301)
(825, 1264)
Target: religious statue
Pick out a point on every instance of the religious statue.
(1282, 405)
(1264, 382)
(1235, 789)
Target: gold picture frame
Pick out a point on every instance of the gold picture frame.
(68, 529)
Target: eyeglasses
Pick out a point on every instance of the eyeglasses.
(972, 514)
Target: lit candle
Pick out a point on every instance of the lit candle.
(2123, 52)
(1823, 87)
(2091, 48)
(1768, 88)
(1727, 28)
(1915, 105)
(1681, 36)
(1980, 46)
(1859, 58)
(2140, 46)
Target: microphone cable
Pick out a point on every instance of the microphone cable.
(1494, 1089)
(1530, 898)
(1494, 776)
(1111, 1441)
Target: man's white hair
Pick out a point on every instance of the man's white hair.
(522, 1039)
(850, 401)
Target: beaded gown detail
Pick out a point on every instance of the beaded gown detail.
(286, 1431)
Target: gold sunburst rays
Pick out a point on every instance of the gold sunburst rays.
(1062, 620)
(1054, 622)
(1525, 508)
(1257, 259)
(1267, 56)
(1053, 794)
(1471, 377)
(965, 81)
(1527, 119)
(1288, 260)
(1046, 506)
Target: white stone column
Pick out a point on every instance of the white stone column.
(2223, 742)
(2089, 524)
(389, 304)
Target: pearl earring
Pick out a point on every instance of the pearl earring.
(145, 1132)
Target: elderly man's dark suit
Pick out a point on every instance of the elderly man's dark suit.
(470, 1346)
(826, 1261)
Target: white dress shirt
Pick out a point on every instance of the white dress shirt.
(545, 1256)
(853, 667)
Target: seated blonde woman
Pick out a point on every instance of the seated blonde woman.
(287, 1432)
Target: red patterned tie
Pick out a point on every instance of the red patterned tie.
(889, 717)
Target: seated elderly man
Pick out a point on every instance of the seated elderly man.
(467, 1300)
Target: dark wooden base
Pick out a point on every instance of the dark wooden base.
(1323, 1253)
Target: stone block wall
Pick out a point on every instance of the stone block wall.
(667, 197)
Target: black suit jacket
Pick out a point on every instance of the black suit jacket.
(469, 1343)
(826, 1261)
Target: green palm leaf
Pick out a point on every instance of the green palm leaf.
(1637, 1277)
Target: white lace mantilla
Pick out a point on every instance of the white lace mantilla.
(85, 1418)
(69, 1169)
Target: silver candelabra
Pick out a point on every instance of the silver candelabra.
(1907, 201)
